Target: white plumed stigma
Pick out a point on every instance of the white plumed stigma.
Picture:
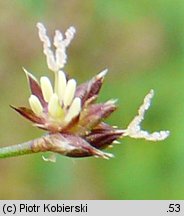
(134, 129)
(35, 105)
(55, 60)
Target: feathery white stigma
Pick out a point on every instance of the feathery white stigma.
(46, 87)
(29, 75)
(134, 129)
(55, 60)
(69, 34)
(35, 105)
(42, 32)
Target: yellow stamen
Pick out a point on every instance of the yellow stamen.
(46, 87)
(35, 105)
(60, 84)
(74, 109)
(69, 92)
(54, 107)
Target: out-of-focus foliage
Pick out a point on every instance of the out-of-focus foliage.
(142, 44)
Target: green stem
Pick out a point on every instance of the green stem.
(42, 144)
(16, 150)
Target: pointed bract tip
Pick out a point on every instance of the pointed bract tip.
(108, 156)
(25, 71)
(28, 74)
(102, 74)
(116, 142)
(12, 107)
(111, 102)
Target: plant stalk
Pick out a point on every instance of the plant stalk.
(16, 150)
(29, 147)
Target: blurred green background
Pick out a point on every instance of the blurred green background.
(142, 44)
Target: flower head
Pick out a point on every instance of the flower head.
(69, 112)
